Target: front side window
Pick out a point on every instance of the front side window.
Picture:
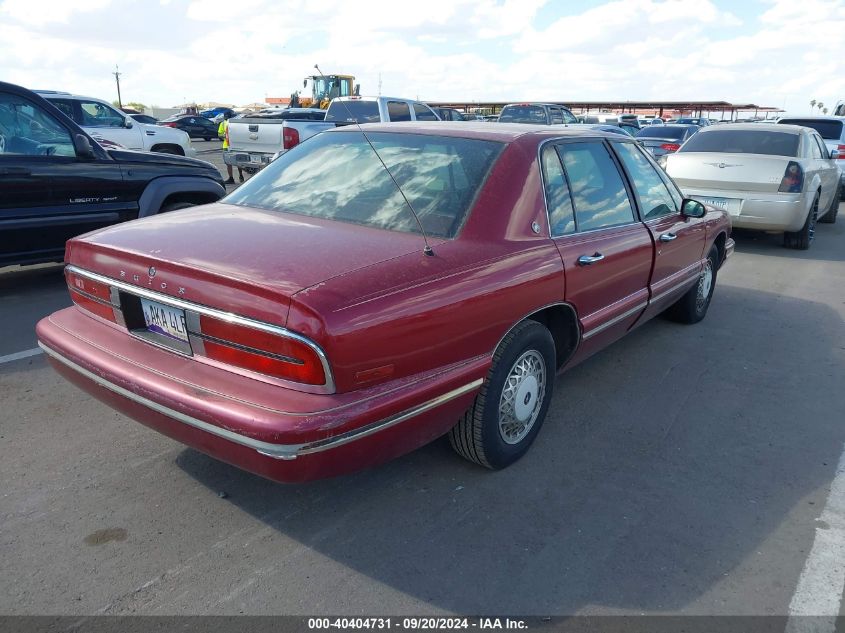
(337, 176)
(655, 199)
(568, 117)
(398, 111)
(96, 114)
(26, 129)
(424, 113)
(598, 192)
(558, 200)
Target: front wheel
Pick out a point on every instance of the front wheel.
(509, 410)
(692, 307)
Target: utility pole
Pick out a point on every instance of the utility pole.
(117, 75)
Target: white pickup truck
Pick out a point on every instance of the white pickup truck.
(255, 140)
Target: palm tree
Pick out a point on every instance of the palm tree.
(812, 103)
(824, 111)
(819, 105)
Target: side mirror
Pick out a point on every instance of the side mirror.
(693, 208)
(834, 154)
(128, 123)
(82, 146)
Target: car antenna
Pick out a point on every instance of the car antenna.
(427, 250)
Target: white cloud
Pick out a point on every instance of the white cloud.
(176, 50)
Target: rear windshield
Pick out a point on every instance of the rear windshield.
(337, 176)
(523, 114)
(744, 142)
(350, 111)
(830, 130)
(662, 131)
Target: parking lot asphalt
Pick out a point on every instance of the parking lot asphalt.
(682, 470)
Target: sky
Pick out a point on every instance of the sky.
(780, 53)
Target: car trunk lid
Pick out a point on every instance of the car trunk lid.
(722, 171)
(244, 260)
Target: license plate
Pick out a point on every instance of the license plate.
(731, 205)
(255, 158)
(165, 320)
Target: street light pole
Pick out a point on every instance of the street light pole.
(117, 81)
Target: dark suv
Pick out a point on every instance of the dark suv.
(57, 182)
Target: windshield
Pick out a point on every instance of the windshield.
(523, 114)
(830, 130)
(351, 111)
(744, 142)
(663, 131)
(336, 175)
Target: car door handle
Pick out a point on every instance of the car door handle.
(586, 260)
(15, 171)
(668, 237)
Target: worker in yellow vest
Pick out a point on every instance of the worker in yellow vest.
(223, 132)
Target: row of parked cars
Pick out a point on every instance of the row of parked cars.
(366, 293)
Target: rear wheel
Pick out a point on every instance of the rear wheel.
(833, 211)
(692, 307)
(509, 410)
(800, 240)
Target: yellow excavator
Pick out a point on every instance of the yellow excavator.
(324, 88)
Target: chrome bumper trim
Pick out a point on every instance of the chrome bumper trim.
(276, 451)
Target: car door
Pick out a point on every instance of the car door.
(828, 173)
(679, 240)
(606, 250)
(100, 119)
(49, 195)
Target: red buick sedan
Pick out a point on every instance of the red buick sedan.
(364, 295)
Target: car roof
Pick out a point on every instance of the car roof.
(684, 126)
(760, 127)
(502, 132)
(57, 93)
(535, 103)
(811, 117)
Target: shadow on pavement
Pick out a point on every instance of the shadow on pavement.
(760, 243)
(644, 489)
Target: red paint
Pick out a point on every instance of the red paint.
(398, 328)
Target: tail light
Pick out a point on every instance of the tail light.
(671, 147)
(793, 179)
(261, 351)
(168, 124)
(841, 149)
(91, 296)
(290, 138)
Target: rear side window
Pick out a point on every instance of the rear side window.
(352, 111)
(523, 114)
(557, 116)
(424, 113)
(337, 176)
(558, 200)
(65, 106)
(743, 142)
(598, 192)
(831, 130)
(398, 111)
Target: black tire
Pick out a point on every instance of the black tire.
(801, 240)
(527, 349)
(207, 139)
(833, 211)
(175, 206)
(692, 307)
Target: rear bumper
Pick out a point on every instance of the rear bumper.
(243, 158)
(240, 421)
(762, 211)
